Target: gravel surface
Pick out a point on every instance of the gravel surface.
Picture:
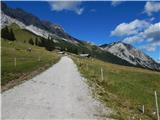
(58, 93)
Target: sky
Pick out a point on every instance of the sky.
(103, 22)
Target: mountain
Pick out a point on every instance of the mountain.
(33, 23)
(117, 54)
(131, 54)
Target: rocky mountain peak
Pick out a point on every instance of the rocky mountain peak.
(131, 54)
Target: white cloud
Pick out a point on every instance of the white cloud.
(129, 28)
(67, 5)
(151, 7)
(153, 32)
(151, 47)
(139, 31)
(151, 36)
(115, 3)
(132, 39)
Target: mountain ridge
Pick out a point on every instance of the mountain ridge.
(131, 54)
(28, 19)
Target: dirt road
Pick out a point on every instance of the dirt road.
(58, 93)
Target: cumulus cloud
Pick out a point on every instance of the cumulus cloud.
(74, 6)
(133, 39)
(153, 32)
(151, 47)
(151, 35)
(139, 31)
(151, 7)
(129, 28)
(115, 3)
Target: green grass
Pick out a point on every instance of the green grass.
(22, 35)
(125, 89)
(26, 62)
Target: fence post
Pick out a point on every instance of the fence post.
(143, 109)
(15, 62)
(155, 93)
(102, 74)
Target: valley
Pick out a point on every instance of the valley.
(47, 74)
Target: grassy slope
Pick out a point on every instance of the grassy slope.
(21, 34)
(27, 62)
(125, 89)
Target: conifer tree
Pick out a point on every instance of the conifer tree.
(31, 41)
(36, 41)
(5, 33)
(12, 36)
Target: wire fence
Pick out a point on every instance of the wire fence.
(142, 107)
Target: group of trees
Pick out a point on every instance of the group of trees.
(42, 42)
(48, 43)
(73, 50)
(31, 41)
(8, 34)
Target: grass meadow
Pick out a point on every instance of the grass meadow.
(26, 62)
(125, 89)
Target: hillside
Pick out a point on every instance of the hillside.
(28, 63)
(125, 89)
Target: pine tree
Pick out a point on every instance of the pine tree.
(31, 41)
(42, 42)
(49, 44)
(76, 51)
(5, 33)
(12, 36)
(36, 41)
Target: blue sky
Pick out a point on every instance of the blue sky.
(136, 23)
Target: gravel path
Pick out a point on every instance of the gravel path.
(58, 93)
